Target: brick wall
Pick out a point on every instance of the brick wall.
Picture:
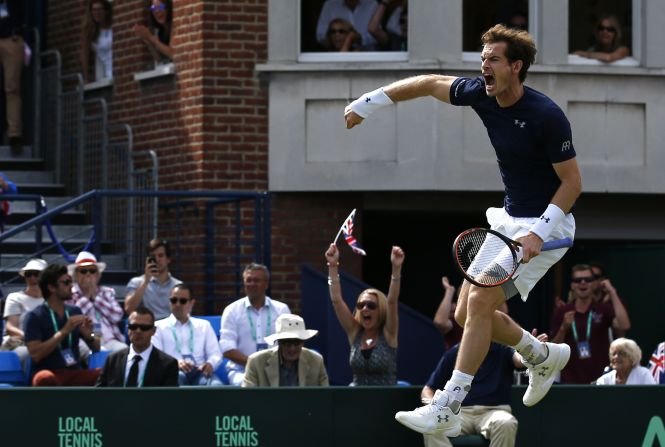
(209, 122)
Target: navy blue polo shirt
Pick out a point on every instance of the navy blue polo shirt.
(38, 325)
(528, 137)
(491, 384)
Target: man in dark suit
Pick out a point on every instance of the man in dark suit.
(141, 364)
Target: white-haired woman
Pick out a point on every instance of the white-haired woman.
(625, 358)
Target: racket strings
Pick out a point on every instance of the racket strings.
(486, 258)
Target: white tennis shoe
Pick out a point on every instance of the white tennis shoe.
(431, 418)
(541, 376)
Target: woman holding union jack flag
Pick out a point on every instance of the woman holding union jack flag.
(372, 329)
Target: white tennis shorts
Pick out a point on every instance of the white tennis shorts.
(527, 275)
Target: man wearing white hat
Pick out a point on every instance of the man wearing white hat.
(96, 302)
(18, 304)
(288, 364)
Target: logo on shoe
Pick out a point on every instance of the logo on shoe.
(543, 371)
(442, 419)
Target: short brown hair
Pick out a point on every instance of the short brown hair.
(154, 244)
(520, 46)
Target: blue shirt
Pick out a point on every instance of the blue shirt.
(528, 137)
(491, 384)
(38, 325)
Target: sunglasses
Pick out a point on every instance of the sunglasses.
(182, 301)
(337, 31)
(30, 273)
(66, 282)
(609, 29)
(291, 342)
(160, 7)
(87, 271)
(586, 279)
(371, 305)
(140, 327)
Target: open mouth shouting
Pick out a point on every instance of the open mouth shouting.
(490, 81)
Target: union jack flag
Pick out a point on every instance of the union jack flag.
(347, 230)
(657, 364)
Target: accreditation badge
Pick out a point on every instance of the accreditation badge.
(68, 357)
(261, 346)
(584, 349)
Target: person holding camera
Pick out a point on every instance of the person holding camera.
(153, 289)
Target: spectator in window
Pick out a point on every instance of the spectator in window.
(393, 37)
(357, 12)
(95, 301)
(372, 329)
(6, 187)
(342, 37)
(158, 36)
(518, 21)
(625, 356)
(608, 46)
(97, 37)
(18, 304)
(12, 55)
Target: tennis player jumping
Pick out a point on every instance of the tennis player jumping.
(533, 144)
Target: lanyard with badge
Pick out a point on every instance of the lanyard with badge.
(178, 348)
(67, 354)
(264, 345)
(583, 347)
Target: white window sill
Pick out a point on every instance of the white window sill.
(574, 59)
(355, 56)
(160, 71)
(98, 85)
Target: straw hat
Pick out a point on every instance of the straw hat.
(33, 264)
(84, 259)
(290, 326)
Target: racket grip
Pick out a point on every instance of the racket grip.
(557, 243)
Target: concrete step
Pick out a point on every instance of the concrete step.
(28, 177)
(22, 164)
(14, 261)
(26, 207)
(120, 289)
(7, 153)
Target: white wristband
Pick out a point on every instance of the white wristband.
(552, 216)
(370, 102)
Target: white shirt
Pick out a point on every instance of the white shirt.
(19, 303)
(175, 339)
(145, 355)
(359, 18)
(238, 333)
(103, 49)
(638, 376)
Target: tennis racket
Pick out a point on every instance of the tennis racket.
(487, 258)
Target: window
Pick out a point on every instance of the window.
(480, 15)
(601, 32)
(358, 28)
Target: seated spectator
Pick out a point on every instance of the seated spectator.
(191, 341)
(17, 305)
(657, 364)
(52, 332)
(96, 302)
(248, 321)
(342, 37)
(608, 46)
(97, 37)
(603, 291)
(444, 319)
(357, 12)
(153, 288)
(157, 37)
(625, 358)
(372, 330)
(393, 36)
(12, 54)
(583, 324)
(6, 187)
(141, 364)
(288, 364)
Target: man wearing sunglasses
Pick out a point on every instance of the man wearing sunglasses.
(52, 334)
(18, 304)
(191, 341)
(96, 302)
(141, 364)
(583, 324)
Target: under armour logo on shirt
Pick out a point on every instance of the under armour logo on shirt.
(546, 219)
(519, 123)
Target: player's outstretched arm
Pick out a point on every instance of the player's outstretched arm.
(437, 86)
